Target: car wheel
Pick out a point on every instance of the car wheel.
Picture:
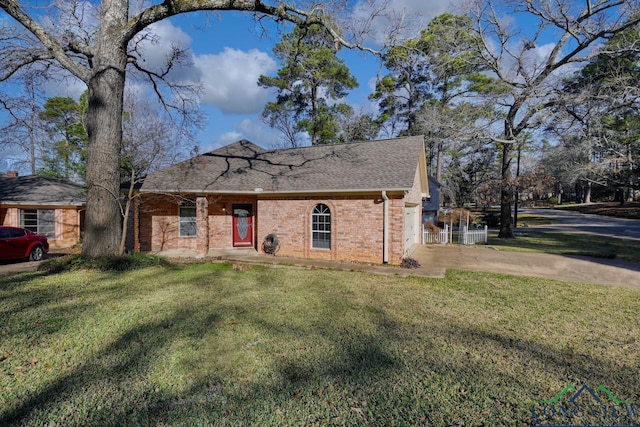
(36, 254)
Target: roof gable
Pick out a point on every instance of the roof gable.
(244, 167)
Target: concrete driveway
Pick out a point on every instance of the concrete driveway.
(558, 267)
(19, 267)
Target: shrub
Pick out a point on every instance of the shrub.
(128, 262)
(491, 218)
(409, 263)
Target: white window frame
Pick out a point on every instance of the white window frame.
(186, 219)
(39, 226)
(321, 226)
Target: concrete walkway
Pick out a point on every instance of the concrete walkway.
(436, 259)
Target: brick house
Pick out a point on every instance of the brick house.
(49, 206)
(351, 202)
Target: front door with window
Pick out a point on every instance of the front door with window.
(242, 225)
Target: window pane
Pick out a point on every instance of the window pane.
(29, 219)
(187, 222)
(321, 227)
(41, 221)
(13, 232)
(47, 222)
(187, 229)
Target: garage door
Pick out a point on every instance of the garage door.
(411, 226)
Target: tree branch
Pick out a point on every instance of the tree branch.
(52, 45)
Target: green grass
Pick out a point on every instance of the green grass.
(570, 244)
(530, 220)
(206, 344)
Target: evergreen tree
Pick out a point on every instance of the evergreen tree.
(310, 84)
(442, 65)
(64, 122)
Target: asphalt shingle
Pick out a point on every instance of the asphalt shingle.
(40, 190)
(243, 167)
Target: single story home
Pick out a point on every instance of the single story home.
(351, 202)
(50, 206)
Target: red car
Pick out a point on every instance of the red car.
(20, 243)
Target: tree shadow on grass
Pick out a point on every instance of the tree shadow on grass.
(109, 388)
(333, 359)
(115, 385)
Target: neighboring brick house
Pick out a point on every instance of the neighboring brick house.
(49, 206)
(351, 202)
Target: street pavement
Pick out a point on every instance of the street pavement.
(575, 222)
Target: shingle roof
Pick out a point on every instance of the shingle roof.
(39, 190)
(243, 167)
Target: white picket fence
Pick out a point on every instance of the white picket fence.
(473, 236)
(430, 237)
(465, 236)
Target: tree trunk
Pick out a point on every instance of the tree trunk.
(506, 195)
(127, 212)
(439, 162)
(103, 220)
(587, 193)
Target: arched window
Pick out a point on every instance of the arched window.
(321, 227)
(187, 219)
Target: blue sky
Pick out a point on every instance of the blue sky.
(229, 53)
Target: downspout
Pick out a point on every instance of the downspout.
(385, 229)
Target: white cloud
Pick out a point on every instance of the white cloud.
(224, 139)
(413, 15)
(68, 86)
(229, 80)
(13, 158)
(250, 129)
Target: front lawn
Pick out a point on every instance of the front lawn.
(208, 344)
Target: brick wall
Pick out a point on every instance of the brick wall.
(357, 225)
(158, 222)
(67, 227)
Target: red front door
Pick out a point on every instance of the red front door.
(242, 225)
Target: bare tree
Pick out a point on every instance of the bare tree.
(284, 120)
(149, 142)
(599, 108)
(96, 43)
(562, 37)
(24, 130)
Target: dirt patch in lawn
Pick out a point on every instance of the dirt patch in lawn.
(629, 210)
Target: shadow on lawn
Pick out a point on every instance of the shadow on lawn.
(619, 263)
(111, 385)
(112, 388)
(373, 371)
